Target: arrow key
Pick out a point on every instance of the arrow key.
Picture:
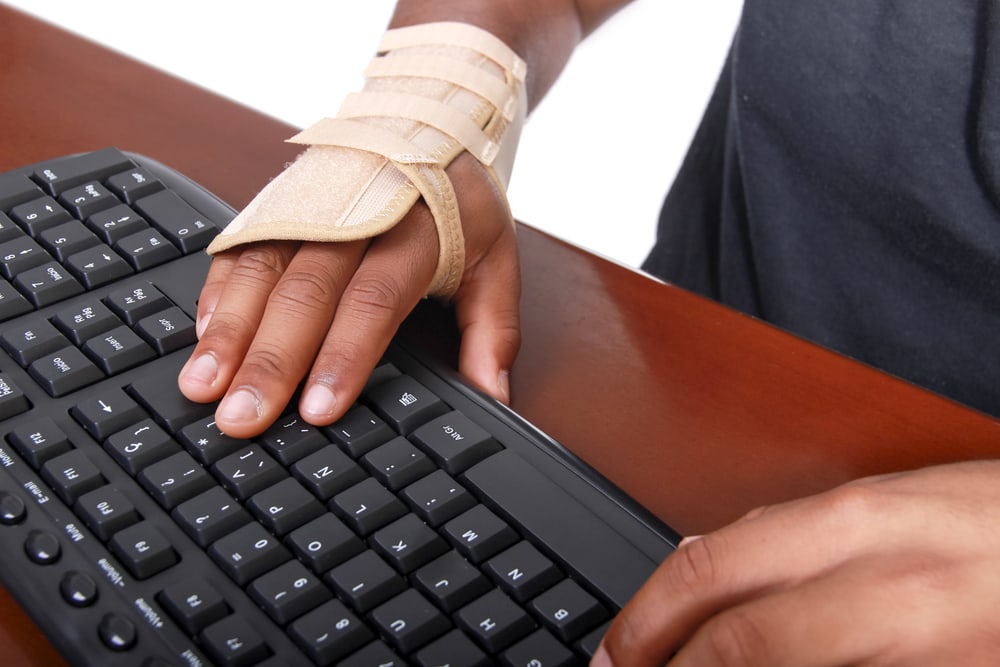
(98, 265)
(107, 413)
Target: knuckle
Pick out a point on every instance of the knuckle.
(303, 290)
(226, 328)
(694, 567)
(259, 263)
(266, 361)
(736, 638)
(374, 294)
(853, 503)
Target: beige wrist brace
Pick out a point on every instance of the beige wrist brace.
(432, 91)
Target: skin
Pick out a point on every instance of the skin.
(893, 570)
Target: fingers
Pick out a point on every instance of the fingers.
(394, 276)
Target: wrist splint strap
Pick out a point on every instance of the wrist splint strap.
(433, 91)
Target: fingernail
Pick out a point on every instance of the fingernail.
(202, 324)
(689, 539)
(601, 658)
(318, 403)
(202, 369)
(240, 406)
(503, 385)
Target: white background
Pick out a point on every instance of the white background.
(595, 159)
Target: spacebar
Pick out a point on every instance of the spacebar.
(591, 549)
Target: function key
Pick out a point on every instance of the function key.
(193, 603)
(85, 200)
(71, 475)
(62, 173)
(105, 511)
(233, 641)
(143, 549)
(132, 184)
(40, 214)
(39, 441)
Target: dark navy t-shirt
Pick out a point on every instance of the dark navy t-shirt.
(845, 185)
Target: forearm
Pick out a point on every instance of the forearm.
(544, 33)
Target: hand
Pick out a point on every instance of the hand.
(892, 570)
(272, 312)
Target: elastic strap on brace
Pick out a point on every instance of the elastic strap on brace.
(433, 91)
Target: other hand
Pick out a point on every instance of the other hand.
(899, 569)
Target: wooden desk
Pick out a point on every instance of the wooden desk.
(697, 411)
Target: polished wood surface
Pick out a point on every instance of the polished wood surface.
(697, 411)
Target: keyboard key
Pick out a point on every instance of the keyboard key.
(290, 438)
(168, 330)
(64, 371)
(87, 199)
(136, 301)
(146, 249)
(248, 552)
(405, 403)
(495, 621)
(82, 322)
(522, 571)
(367, 506)
(158, 392)
(409, 621)
(408, 543)
(97, 265)
(365, 581)
(359, 431)
(12, 398)
(455, 442)
(107, 412)
(568, 610)
(543, 511)
(117, 632)
(451, 581)
(132, 184)
(324, 543)
(288, 591)
(17, 188)
(71, 475)
(139, 445)
(233, 642)
(210, 515)
(478, 533)
(248, 471)
(115, 223)
(188, 229)
(456, 650)
(118, 350)
(175, 479)
(397, 463)
(20, 254)
(143, 549)
(193, 603)
(67, 239)
(284, 506)
(206, 442)
(47, 284)
(539, 648)
(329, 633)
(62, 173)
(105, 511)
(328, 472)
(39, 440)
(437, 498)
(12, 302)
(39, 214)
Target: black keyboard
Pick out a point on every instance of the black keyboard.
(429, 526)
